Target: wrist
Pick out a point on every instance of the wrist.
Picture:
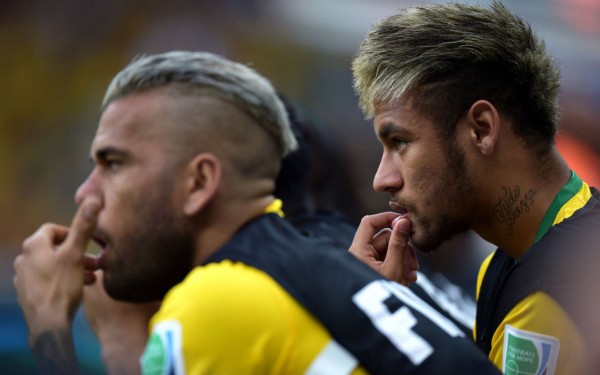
(54, 352)
(47, 323)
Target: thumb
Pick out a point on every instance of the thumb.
(83, 225)
(394, 260)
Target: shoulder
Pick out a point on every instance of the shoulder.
(221, 290)
(530, 336)
(230, 307)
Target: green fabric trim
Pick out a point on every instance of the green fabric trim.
(564, 195)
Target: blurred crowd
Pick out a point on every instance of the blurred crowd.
(58, 57)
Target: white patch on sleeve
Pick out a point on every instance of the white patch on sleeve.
(333, 359)
(163, 354)
(526, 352)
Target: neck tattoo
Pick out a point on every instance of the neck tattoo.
(512, 204)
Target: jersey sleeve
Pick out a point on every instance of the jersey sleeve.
(538, 334)
(219, 320)
(229, 318)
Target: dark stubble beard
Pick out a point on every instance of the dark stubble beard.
(156, 254)
(452, 192)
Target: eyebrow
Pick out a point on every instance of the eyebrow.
(387, 128)
(103, 154)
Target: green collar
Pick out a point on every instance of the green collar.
(564, 195)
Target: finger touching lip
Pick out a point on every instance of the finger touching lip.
(404, 215)
(410, 262)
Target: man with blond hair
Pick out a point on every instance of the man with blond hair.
(464, 102)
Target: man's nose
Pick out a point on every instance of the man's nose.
(388, 177)
(88, 188)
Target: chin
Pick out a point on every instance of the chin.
(125, 291)
(131, 296)
(425, 243)
(425, 248)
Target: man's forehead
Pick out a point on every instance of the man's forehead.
(126, 120)
(404, 103)
(400, 115)
(136, 114)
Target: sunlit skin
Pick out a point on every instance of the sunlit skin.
(157, 183)
(424, 176)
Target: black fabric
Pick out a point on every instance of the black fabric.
(326, 225)
(333, 227)
(565, 264)
(325, 282)
(422, 293)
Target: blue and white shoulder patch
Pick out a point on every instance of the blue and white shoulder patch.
(163, 354)
(528, 352)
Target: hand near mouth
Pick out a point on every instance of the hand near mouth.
(49, 274)
(386, 250)
(49, 278)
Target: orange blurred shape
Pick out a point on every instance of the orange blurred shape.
(583, 15)
(580, 157)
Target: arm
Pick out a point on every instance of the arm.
(386, 250)
(54, 352)
(539, 321)
(49, 277)
(109, 319)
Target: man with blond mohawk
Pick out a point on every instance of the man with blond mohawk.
(464, 102)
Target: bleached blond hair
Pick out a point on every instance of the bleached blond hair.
(450, 55)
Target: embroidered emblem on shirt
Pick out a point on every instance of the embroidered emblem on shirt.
(528, 353)
(162, 355)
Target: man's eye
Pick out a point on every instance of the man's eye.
(113, 164)
(399, 143)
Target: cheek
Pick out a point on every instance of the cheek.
(423, 180)
(434, 192)
(120, 212)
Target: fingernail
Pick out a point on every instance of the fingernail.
(402, 216)
(91, 210)
(404, 227)
(395, 221)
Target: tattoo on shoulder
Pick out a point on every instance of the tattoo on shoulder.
(54, 353)
(512, 204)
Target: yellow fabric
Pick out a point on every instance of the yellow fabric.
(236, 319)
(541, 314)
(275, 207)
(579, 200)
(482, 270)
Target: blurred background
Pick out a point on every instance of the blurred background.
(57, 58)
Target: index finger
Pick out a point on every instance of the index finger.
(83, 225)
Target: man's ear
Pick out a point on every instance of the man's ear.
(203, 177)
(485, 125)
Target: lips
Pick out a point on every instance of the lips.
(397, 207)
(102, 242)
(99, 240)
(398, 218)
